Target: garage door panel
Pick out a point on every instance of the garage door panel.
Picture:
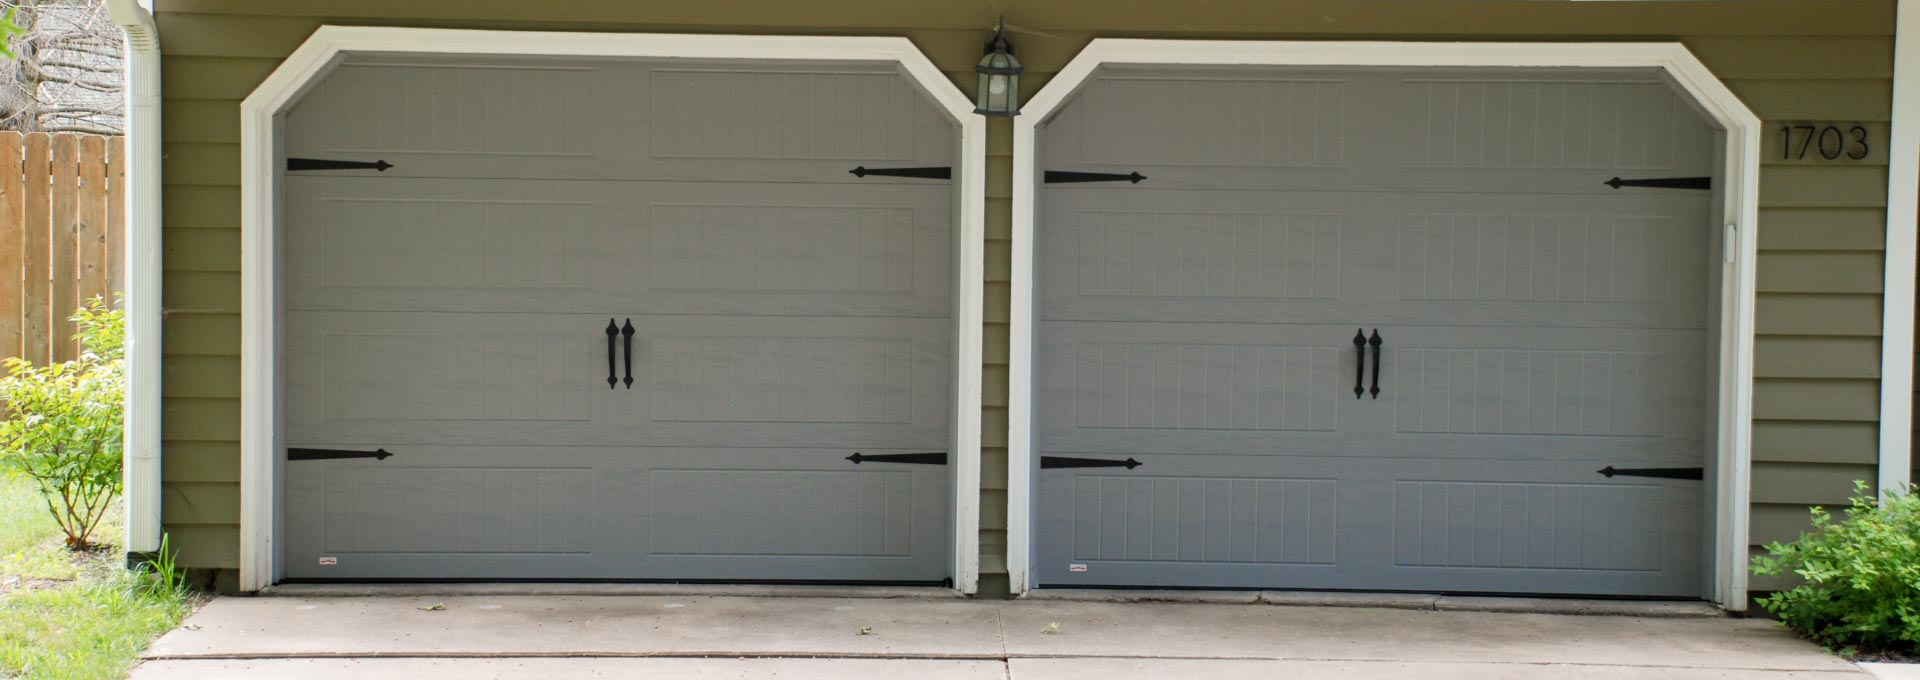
(1218, 256)
(783, 380)
(592, 247)
(615, 512)
(1235, 382)
(1614, 261)
(584, 119)
(1627, 122)
(393, 378)
(795, 514)
(1548, 393)
(1514, 526)
(1637, 387)
(1227, 387)
(793, 381)
(1527, 525)
(1202, 519)
(1637, 260)
(1248, 127)
(1206, 120)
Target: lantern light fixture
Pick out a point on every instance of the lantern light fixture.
(999, 93)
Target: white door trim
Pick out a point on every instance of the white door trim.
(260, 394)
(1897, 301)
(1742, 181)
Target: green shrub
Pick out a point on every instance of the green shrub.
(63, 424)
(1862, 576)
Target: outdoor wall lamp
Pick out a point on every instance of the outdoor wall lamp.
(999, 93)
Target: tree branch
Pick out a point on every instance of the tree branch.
(101, 130)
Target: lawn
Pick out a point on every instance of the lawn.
(64, 615)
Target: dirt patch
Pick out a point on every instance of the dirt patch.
(13, 583)
(1909, 656)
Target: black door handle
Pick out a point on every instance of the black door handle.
(626, 334)
(1359, 368)
(612, 331)
(1376, 342)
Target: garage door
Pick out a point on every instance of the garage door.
(617, 320)
(1361, 329)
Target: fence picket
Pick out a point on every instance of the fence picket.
(12, 246)
(62, 236)
(64, 294)
(116, 263)
(92, 231)
(37, 249)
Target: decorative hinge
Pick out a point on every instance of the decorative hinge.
(922, 173)
(1702, 183)
(1070, 177)
(297, 164)
(1051, 462)
(335, 454)
(939, 458)
(1669, 473)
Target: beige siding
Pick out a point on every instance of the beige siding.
(1821, 227)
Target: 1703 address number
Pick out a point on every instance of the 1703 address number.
(1830, 142)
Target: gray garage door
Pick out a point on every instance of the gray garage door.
(617, 320)
(1535, 326)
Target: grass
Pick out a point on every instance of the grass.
(72, 615)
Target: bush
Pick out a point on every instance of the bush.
(62, 427)
(1862, 576)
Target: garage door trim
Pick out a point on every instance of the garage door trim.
(1740, 167)
(261, 403)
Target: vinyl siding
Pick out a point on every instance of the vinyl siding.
(1821, 228)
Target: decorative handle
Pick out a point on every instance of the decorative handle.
(612, 331)
(626, 334)
(1359, 368)
(1376, 342)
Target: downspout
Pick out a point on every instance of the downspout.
(1902, 245)
(142, 414)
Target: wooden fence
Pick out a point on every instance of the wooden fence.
(62, 236)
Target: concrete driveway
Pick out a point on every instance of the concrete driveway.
(697, 636)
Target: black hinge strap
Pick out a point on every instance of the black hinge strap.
(335, 454)
(297, 164)
(1669, 473)
(1070, 177)
(939, 458)
(1702, 183)
(922, 173)
(1050, 462)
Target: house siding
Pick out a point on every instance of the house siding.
(1821, 232)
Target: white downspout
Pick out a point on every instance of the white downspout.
(142, 443)
(1902, 244)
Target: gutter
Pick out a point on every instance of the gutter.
(143, 268)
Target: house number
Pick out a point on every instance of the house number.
(1830, 142)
